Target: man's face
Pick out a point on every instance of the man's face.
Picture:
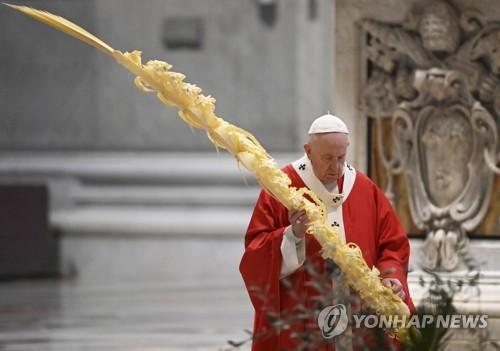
(439, 29)
(327, 152)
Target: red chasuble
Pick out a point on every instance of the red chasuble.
(369, 221)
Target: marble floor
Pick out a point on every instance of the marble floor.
(65, 316)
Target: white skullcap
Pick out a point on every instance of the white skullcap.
(328, 124)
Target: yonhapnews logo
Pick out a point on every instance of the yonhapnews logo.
(333, 321)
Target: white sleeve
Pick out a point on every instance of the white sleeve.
(293, 252)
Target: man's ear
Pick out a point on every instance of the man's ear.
(307, 149)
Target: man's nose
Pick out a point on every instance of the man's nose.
(338, 166)
(335, 165)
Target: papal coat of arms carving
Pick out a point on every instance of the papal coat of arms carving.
(437, 77)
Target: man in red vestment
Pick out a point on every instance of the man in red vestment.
(282, 267)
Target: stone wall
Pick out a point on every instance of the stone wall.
(48, 82)
(59, 94)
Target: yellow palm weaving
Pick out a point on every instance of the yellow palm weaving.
(197, 111)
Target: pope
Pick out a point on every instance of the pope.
(282, 264)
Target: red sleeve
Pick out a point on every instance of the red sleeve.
(393, 246)
(261, 262)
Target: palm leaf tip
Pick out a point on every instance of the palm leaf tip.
(65, 26)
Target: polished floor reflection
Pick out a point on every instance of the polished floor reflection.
(63, 316)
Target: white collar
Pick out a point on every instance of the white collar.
(304, 169)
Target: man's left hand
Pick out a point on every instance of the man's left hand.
(395, 285)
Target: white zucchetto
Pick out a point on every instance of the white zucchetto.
(328, 124)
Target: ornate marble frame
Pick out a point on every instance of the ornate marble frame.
(437, 77)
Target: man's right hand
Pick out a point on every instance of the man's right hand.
(298, 219)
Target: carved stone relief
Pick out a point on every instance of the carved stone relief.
(436, 76)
